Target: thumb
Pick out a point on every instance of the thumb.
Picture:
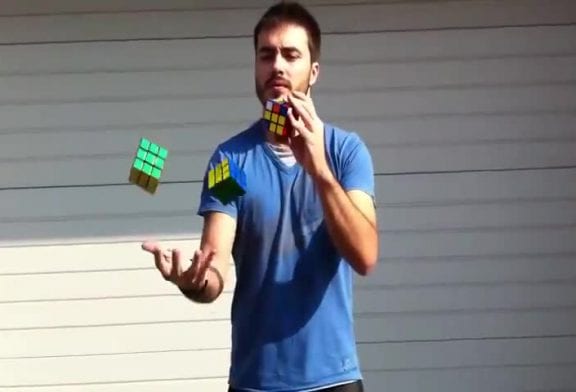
(150, 246)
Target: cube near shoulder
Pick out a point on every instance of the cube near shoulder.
(226, 181)
(147, 165)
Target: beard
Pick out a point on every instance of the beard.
(264, 92)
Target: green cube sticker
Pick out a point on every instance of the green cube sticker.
(138, 164)
(144, 143)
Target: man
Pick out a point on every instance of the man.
(306, 223)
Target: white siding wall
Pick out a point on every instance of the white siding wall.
(469, 108)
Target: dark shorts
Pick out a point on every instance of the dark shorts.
(356, 386)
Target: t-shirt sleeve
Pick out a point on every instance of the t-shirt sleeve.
(357, 170)
(209, 202)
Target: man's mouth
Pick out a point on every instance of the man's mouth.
(277, 83)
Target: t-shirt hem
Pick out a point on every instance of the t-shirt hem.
(339, 379)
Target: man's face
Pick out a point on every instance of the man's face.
(283, 62)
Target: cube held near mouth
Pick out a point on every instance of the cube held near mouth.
(276, 117)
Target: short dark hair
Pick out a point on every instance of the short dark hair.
(292, 13)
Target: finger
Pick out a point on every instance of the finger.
(176, 261)
(191, 272)
(204, 264)
(303, 102)
(199, 272)
(150, 246)
(298, 126)
(159, 260)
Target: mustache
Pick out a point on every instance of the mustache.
(278, 80)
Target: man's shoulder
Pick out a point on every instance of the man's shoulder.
(340, 139)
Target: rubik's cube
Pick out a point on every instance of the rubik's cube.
(226, 181)
(276, 116)
(148, 165)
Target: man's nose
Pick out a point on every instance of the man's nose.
(279, 63)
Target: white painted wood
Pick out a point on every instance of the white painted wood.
(398, 327)
(94, 167)
(205, 385)
(174, 308)
(483, 271)
(441, 101)
(115, 368)
(15, 7)
(560, 378)
(96, 87)
(90, 213)
(365, 17)
(115, 339)
(232, 53)
(189, 364)
(464, 325)
(132, 286)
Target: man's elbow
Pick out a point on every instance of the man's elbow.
(367, 260)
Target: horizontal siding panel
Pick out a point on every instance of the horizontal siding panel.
(96, 285)
(95, 87)
(542, 378)
(113, 168)
(470, 216)
(118, 311)
(234, 53)
(447, 131)
(377, 104)
(467, 299)
(390, 327)
(234, 22)
(424, 355)
(108, 212)
(464, 325)
(115, 368)
(110, 339)
(176, 308)
(401, 356)
(87, 257)
(479, 242)
(390, 273)
(484, 271)
(99, 167)
(15, 7)
(204, 385)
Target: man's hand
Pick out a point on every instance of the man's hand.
(170, 264)
(307, 140)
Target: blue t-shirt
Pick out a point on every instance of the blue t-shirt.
(292, 317)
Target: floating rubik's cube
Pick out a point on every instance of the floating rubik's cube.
(276, 116)
(148, 165)
(226, 181)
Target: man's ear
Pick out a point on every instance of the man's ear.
(314, 73)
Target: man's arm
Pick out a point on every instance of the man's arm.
(351, 221)
(217, 239)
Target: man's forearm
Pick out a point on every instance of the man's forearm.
(352, 233)
(210, 289)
